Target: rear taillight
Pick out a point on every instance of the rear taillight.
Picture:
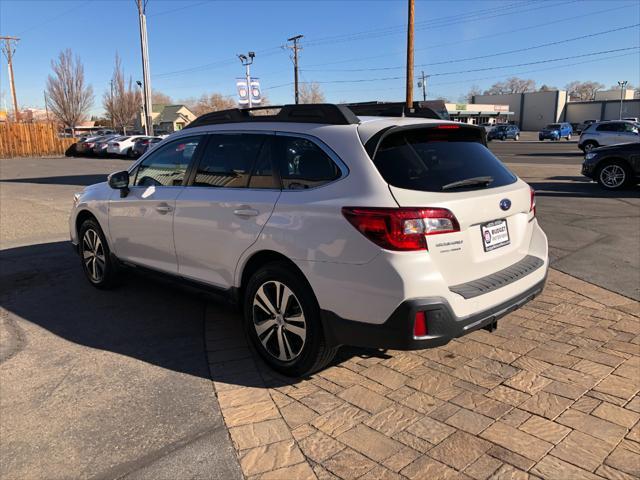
(401, 229)
(420, 325)
(532, 207)
(116, 144)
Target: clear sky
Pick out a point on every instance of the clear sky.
(354, 49)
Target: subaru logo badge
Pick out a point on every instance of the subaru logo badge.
(505, 204)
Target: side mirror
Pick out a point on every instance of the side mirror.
(119, 181)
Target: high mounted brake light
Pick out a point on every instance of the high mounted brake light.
(401, 229)
(447, 127)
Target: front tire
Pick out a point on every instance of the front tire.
(97, 263)
(613, 175)
(282, 319)
(569, 138)
(517, 137)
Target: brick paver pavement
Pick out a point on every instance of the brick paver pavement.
(553, 393)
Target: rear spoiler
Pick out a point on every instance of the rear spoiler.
(373, 144)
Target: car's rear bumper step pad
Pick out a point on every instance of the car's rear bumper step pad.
(504, 277)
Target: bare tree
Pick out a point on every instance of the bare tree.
(159, 98)
(512, 85)
(122, 101)
(211, 102)
(473, 91)
(583, 90)
(547, 88)
(69, 98)
(311, 93)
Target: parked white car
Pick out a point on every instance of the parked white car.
(328, 229)
(123, 145)
(602, 134)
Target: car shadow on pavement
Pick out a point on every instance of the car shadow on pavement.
(82, 180)
(144, 318)
(567, 186)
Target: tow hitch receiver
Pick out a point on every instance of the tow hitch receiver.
(490, 327)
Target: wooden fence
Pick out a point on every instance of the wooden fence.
(31, 140)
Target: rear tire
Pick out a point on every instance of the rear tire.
(613, 175)
(588, 146)
(568, 137)
(98, 265)
(517, 137)
(282, 319)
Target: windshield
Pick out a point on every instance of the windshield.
(553, 126)
(430, 159)
(501, 127)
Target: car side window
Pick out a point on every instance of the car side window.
(168, 165)
(607, 127)
(303, 164)
(630, 128)
(263, 175)
(228, 159)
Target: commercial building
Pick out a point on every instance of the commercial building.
(477, 113)
(627, 94)
(534, 110)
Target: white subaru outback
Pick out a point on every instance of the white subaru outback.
(327, 228)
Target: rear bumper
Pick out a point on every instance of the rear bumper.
(397, 332)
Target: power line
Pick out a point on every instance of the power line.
(360, 80)
(363, 35)
(396, 29)
(468, 80)
(471, 39)
(55, 17)
(524, 49)
(172, 10)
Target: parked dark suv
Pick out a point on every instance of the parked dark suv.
(613, 167)
(502, 132)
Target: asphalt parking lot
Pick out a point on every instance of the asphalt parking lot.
(119, 384)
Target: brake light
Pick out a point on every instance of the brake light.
(447, 126)
(116, 144)
(420, 325)
(401, 229)
(532, 207)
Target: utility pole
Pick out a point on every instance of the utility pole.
(423, 83)
(247, 61)
(622, 85)
(146, 75)
(409, 100)
(9, 49)
(295, 47)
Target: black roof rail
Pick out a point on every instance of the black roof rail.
(326, 113)
(426, 109)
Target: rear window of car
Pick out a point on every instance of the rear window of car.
(553, 126)
(434, 160)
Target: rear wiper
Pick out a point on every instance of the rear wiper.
(467, 182)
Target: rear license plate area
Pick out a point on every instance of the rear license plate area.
(495, 234)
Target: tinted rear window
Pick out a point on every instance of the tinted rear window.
(553, 126)
(430, 159)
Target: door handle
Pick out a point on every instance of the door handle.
(164, 208)
(246, 212)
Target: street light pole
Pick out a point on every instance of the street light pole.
(622, 84)
(143, 109)
(146, 76)
(247, 60)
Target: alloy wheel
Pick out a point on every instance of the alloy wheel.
(93, 255)
(279, 320)
(613, 176)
